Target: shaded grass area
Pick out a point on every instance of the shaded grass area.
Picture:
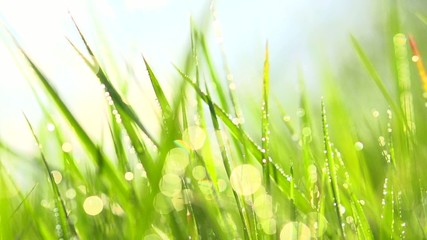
(320, 175)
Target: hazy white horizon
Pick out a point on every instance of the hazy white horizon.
(297, 32)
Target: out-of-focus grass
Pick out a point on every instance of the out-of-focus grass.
(203, 176)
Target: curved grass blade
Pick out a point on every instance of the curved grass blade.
(121, 106)
(376, 77)
(67, 228)
(282, 183)
(332, 169)
(227, 165)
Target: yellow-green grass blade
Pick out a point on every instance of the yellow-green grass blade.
(117, 100)
(376, 77)
(332, 169)
(282, 183)
(67, 229)
(227, 165)
(265, 120)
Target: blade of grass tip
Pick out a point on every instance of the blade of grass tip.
(213, 73)
(121, 106)
(68, 159)
(229, 75)
(164, 104)
(265, 134)
(331, 167)
(23, 201)
(376, 77)
(87, 142)
(242, 150)
(67, 229)
(283, 182)
(127, 116)
(209, 160)
(227, 164)
(419, 62)
(404, 82)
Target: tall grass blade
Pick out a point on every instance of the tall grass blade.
(265, 140)
(67, 229)
(331, 169)
(376, 77)
(282, 182)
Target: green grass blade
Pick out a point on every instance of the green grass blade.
(332, 169)
(265, 133)
(67, 230)
(282, 183)
(376, 77)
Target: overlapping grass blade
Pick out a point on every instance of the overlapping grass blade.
(376, 77)
(67, 229)
(332, 169)
(282, 183)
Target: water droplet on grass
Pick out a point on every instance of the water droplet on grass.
(50, 127)
(263, 206)
(317, 223)
(129, 176)
(269, 226)
(295, 230)
(375, 113)
(57, 176)
(199, 172)
(195, 137)
(70, 193)
(162, 204)
(415, 58)
(93, 205)
(245, 179)
(117, 210)
(67, 147)
(176, 161)
(170, 185)
(358, 146)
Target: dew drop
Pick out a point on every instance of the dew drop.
(93, 205)
(358, 146)
(295, 230)
(195, 137)
(67, 147)
(50, 127)
(245, 179)
(170, 185)
(57, 176)
(70, 193)
(129, 176)
(415, 58)
(117, 210)
(199, 172)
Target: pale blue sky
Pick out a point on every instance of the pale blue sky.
(298, 33)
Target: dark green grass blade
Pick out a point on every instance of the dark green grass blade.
(67, 230)
(253, 148)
